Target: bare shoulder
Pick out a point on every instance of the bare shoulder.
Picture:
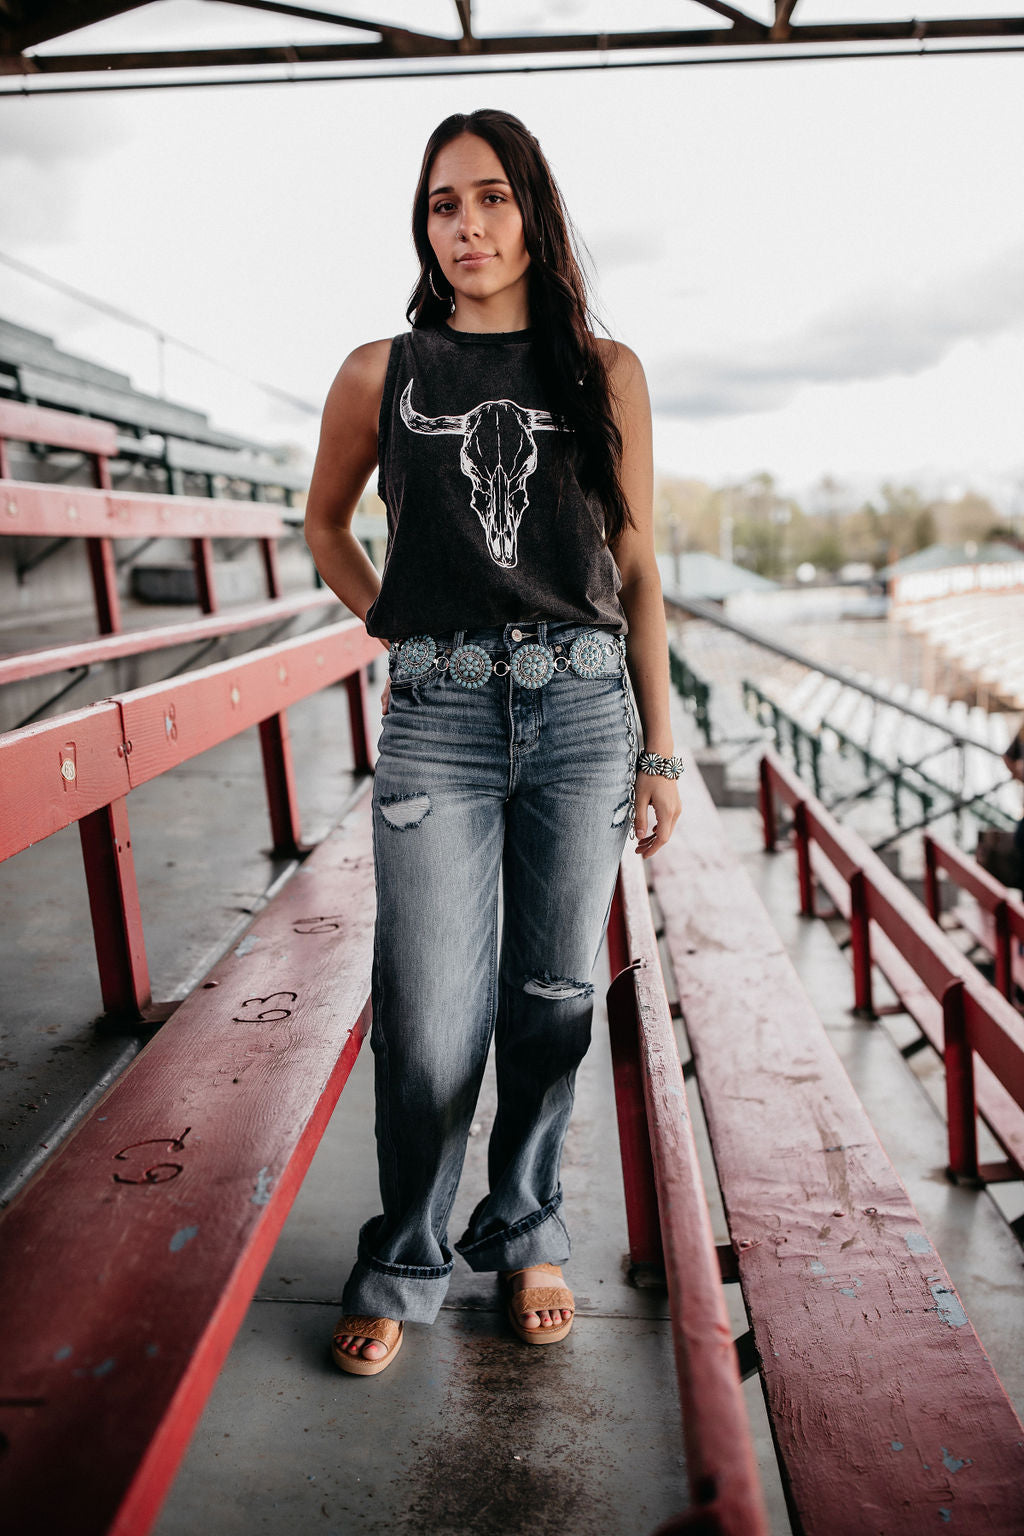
(367, 366)
(353, 400)
(625, 370)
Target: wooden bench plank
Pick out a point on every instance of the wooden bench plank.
(56, 429)
(981, 927)
(997, 1107)
(146, 1233)
(720, 1463)
(103, 648)
(58, 771)
(61, 511)
(875, 1380)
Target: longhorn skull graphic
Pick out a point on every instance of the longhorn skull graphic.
(499, 454)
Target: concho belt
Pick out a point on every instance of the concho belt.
(532, 665)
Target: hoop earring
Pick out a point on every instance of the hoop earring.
(430, 279)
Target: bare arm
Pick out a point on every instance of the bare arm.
(641, 599)
(345, 460)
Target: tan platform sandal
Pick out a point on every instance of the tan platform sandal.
(536, 1299)
(383, 1330)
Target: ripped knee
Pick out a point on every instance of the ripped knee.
(556, 988)
(404, 811)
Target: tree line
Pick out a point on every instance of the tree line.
(753, 523)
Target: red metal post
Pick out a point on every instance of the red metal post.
(642, 1221)
(104, 585)
(268, 549)
(5, 463)
(767, 806)
(860, 946)
(931, 879)
(1004, 950)
(116, 914)
(102, 567)
(202, 556)
(279, 775)
(363, 755)
(802, 837)
(961, 1108)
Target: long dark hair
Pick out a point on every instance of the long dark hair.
(572, 369)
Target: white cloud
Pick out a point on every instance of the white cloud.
(874, 336)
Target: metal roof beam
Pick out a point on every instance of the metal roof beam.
(781, 28)
(395, 43)
(743, 25)
(400, 38)
(40, 23)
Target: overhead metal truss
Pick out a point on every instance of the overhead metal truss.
(26, 24)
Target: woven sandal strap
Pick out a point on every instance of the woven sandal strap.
(551, 1269)
(384, 1330)
(538, 1300)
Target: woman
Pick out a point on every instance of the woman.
(515, 461)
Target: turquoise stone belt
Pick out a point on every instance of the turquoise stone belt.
(592, 654)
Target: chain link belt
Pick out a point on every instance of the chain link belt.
(592, 654)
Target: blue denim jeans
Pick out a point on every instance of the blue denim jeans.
(529, 788)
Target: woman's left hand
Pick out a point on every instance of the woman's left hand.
(660, 795)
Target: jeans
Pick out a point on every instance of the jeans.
(530, 787)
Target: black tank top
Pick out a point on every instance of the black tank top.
(487, 523)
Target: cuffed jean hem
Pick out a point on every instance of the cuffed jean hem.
(540, 1238)
(406, 1292)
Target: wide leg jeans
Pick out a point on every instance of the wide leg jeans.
(529, 789)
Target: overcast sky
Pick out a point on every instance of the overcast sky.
(821, 265)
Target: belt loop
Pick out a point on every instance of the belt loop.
(542, 632)
(460, 635)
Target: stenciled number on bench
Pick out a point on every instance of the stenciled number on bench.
(307, 925)
(156, 1173)
(272, 1015)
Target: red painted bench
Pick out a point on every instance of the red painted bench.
(79, 768)
(18, 666)
(992, 914)
(127, 1263)
(669, 1225)
(877, 1386)
(102, 515)
(957, 1011)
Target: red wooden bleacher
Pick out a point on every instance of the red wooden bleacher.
(995, 921)
(102, 515)
(127, 1263)
(960, 1013)
(80, 768)
(871, 1370)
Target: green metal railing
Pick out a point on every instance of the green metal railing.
(695, 692)
(805, 746)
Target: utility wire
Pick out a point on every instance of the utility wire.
(461, 72)
(115, 313)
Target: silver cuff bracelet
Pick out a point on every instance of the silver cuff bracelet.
(664, 767)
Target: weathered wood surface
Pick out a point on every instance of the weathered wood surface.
(997, 1107)
(127, 1264)
(54, 773)
(720, 1463)
(86, 653)
(56, 429)
(912, 945)
(169, 722)
(887, 1414)
(57, 771)
(72, 511)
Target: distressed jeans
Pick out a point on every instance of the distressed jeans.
(529, 788)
